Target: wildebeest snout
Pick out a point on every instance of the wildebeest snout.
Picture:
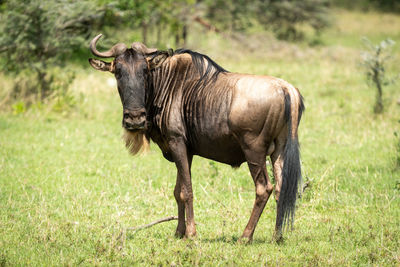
(134, 119)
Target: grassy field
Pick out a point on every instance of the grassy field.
(69, 190)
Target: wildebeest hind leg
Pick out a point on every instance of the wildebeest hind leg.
(263, 187)
(277, 164)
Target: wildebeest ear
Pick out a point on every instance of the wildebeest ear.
(158, 60)
(100, 65)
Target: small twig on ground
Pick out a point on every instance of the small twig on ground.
(135, 229)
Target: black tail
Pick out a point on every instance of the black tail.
(291, 172)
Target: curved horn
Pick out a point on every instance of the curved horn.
(116, 50)
(142, 48)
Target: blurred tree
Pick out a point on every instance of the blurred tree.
(387, 5)
(149, 16)
(284, 17)
(139, 14)
(383, 5)
(232, 15)
(173, 17)
(38, 35)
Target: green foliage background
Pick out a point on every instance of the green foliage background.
(69, 190)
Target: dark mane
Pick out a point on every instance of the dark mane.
(208, 68)
(196, 87)
(199, 60)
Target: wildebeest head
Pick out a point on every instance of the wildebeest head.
(131, 71)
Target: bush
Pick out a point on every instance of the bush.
(37, 36)
(374, 60)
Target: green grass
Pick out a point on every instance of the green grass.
(69, 189)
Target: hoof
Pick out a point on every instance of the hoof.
(180, 232)
(190, 231)
(245, 240)
(278, 237)
(190, 235)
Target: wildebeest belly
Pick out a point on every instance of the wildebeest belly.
(222, 148)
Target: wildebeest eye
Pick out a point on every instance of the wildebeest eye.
(118, 71)
(117, 67)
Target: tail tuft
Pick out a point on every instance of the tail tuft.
(291, 177)
(291, 173)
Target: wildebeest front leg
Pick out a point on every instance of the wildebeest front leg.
(183, 189)
(181, 228)
(263, 190)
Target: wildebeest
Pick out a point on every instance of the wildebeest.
(188, 105)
